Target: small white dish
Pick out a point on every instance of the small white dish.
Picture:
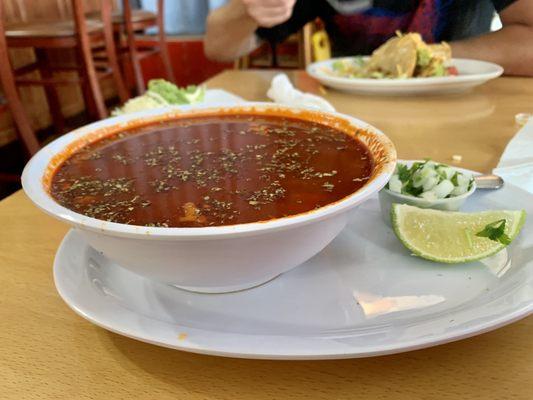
(219, 258)
(364, 295)
(387, 197)
(471, 73)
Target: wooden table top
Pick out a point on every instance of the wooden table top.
(48, 352)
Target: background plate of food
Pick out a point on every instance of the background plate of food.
(405, 65)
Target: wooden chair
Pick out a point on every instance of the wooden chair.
(74, 34)
(268, 55)
(127, 25)
(308, 40)
(138, 21)
(12, 102)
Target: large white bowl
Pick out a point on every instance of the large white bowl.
(210, 259)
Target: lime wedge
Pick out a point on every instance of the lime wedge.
(450, 237)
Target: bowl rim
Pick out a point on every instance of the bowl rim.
(34, 174)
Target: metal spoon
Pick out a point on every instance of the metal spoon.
(488, 181)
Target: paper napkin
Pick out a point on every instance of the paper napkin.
(282, 91)
(516, 163)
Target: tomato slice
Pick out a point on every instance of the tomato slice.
(452, 71)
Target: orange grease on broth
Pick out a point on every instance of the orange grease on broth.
(376, 147)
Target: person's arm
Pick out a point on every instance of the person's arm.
(511, 46)
(231, 28)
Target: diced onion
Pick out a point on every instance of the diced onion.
(463, 180)
(459, 190)
(429, 180)
(420, 177)
(431, 196)
(430, 183)
(443, 189)
(395, 184)
(447, 171)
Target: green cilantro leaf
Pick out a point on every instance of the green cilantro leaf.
(454, 179)
(403, 173)
(416, 166)
(411, 190)
(495, 231)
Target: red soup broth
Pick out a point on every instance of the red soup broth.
(212, 171)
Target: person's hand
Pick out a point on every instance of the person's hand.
(268, 13)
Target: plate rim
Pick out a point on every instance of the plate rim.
(409, 83)
(207, 350)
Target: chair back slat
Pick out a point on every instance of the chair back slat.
(7, 80)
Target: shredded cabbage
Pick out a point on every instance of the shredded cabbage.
(162, 93)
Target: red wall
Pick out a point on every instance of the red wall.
(188, 59)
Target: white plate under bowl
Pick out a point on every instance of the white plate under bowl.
(471, 73)
(220, 96)
(363, 295)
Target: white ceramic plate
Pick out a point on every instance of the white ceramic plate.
(220, 96)
(363, 295)
(471, 73)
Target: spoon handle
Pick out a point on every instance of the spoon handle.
(488, 181)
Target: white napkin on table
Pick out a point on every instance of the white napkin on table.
(282, 91)
(516, 163)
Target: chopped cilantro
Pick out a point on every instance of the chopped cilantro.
(426, 176)
(410, 189)
(495, 231)
(415, 167)
(454, 179)
(403, 172)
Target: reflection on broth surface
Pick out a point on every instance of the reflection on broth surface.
(212, 171)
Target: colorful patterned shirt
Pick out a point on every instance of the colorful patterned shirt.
(361, 33)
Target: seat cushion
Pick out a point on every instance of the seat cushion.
(48, 28)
